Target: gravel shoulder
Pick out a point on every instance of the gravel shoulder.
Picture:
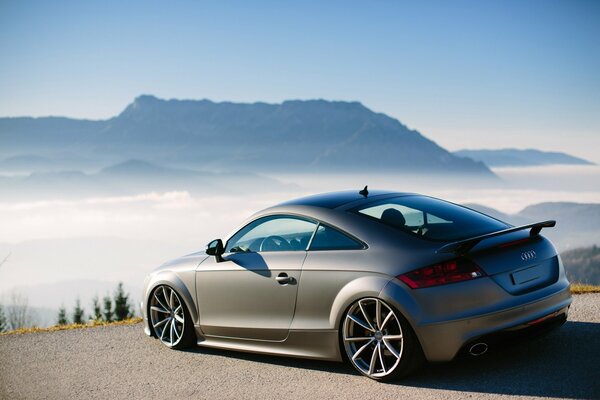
(120, 362)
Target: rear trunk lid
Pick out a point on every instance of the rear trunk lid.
(518, 262)
(517, 258)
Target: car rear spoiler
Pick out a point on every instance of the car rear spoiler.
(463, 246)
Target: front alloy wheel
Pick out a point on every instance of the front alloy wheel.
(378, 341)
(169, 318)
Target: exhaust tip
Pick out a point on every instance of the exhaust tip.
(478, 349)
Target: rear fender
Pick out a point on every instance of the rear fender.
(366, 286)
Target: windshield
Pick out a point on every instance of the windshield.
(430, 218)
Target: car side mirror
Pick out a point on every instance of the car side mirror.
(215, 248)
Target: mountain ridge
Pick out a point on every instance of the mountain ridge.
(295, 135)
(577, 224)
(510, 157)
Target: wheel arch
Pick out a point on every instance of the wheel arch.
(365, 286)
(171, 279)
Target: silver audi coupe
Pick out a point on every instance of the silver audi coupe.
(382, 280)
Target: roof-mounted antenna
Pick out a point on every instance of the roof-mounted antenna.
(364, 192)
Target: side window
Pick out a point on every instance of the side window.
(277, 233)
(430, 218)
(328, 238)
(396, 215)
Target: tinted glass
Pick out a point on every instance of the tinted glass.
(431, 218)
(328, 238)
(278, 233)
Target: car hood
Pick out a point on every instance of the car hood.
(189, 261)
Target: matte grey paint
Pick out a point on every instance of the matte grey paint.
(238, 304)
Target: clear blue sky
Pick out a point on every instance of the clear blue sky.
(466, 74)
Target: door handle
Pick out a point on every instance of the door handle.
(284, 279)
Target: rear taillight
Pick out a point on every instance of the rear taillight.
(457, 270)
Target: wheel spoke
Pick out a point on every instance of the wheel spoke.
(175, 330)
(178, 318)
(162, 334)
(159, 301)
(358, 339)
(380, 357)
(373, 361)
(391, 349)
(160, 323)
(160, 310)
(164, 291)
(392, 337)
(171, 299)
(355, 356)
(386, 319)
(378, 314)
(171, 331)
(361, 322)
(365, 315)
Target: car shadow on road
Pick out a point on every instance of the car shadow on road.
(316, 365)
(561, 364)
(564, 363)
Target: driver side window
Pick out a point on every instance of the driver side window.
(275, 233)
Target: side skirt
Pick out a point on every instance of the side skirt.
(320, 345)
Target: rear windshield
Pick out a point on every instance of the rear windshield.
(430, 218)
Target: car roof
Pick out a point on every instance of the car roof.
(334, 200)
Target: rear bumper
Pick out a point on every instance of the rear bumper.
(443, 341)
(446, 318)
(529, 330)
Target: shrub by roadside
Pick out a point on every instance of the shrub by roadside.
(581, 288)
(91, 324)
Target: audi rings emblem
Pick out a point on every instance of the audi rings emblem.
(528, 255)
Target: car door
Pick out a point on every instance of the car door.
(334, 260)
(251, 294)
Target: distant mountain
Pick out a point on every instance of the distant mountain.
(132, 177)
(583, 265)
(313, 135)
(143, 169)
(580, 216)
(577, 224)
(520, 158)
(27, 163)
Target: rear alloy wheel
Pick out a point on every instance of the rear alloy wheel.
(170, 319)
(378, 341)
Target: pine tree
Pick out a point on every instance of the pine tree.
(97, 311)
(122, 307)
(78, 313)
(62, 316)
(2, 319)
(108, 311)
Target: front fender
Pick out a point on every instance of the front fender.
(172, 279)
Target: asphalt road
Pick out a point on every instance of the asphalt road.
(122, 363)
